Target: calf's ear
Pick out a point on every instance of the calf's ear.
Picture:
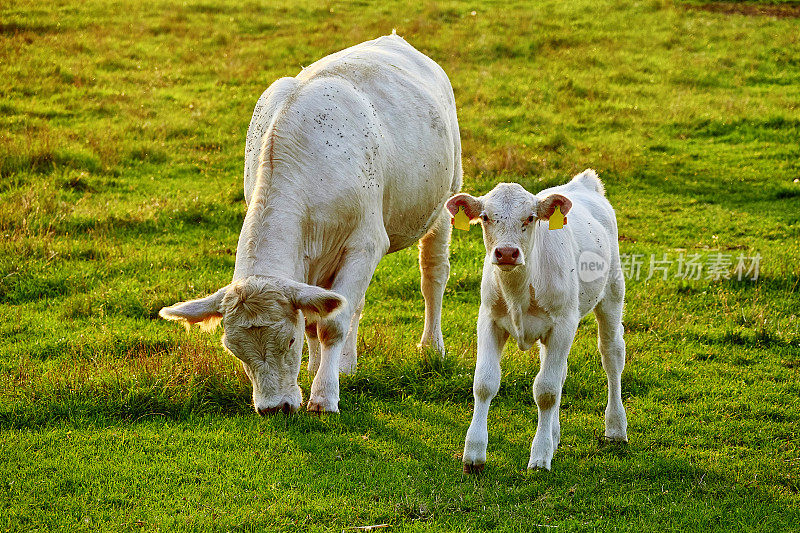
(316, 301)
(472, 206)
(206, 312)
(546, 207)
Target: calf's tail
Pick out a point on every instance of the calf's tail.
(589, 180)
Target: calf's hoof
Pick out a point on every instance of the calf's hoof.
(473, 468)
(541, 452)
(617, 440)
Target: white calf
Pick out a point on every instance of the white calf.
(537, 285)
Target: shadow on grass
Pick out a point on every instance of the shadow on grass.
(199, 382)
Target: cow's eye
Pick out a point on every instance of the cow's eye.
(485, 217)
(291, 342)
(530, 218)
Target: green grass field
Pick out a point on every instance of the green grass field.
(122, 134)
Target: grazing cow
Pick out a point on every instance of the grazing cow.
(350, 160)
(537, 285)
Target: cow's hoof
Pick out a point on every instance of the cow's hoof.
(322, 407)
(284, 408)
(539, 464)
(473, 468)
(347, 365)
(432, 343)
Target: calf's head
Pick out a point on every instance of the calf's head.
(264, 321)
(507, 214)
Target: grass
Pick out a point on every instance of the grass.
(121, 140)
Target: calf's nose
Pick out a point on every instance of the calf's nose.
(507, 255)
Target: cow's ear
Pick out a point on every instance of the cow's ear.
(316, 301)
(206, 312)
(546, 207)
(472, 206)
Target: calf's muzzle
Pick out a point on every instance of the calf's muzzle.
(507, 255)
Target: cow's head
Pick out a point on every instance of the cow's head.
(264, 329)
(507, 214)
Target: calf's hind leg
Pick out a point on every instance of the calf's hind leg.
(434, 266)
(612, 350)
(547, 389)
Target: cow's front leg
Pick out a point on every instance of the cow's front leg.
(547, 389)
(325, 387)
(491, 340)
(351, 281)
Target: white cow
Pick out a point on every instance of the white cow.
(537, 285)
(351, 159)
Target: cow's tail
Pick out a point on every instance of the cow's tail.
(588, 179)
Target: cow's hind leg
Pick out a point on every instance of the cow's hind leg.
(314, 349)
(434, 266)
(349, 360)
(612, 350)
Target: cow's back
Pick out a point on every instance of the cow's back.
(377, 127)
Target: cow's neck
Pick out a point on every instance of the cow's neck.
(271, 241)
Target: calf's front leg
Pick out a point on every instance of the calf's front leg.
(491, 340)
(547, 389)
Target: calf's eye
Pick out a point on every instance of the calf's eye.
(530, 218)
(291, 342)
(485, 217)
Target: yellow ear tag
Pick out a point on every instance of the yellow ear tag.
(461, 220)
(557, 220)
